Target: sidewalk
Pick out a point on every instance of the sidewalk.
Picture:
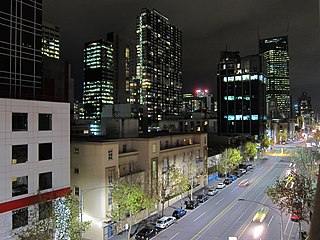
(167, 212)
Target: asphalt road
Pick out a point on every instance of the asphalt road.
(223, 216)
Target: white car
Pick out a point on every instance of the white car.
(220, 185)
(212, 192)
(165, 222)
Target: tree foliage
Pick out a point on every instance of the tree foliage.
(128, 200)
(179, 181)
(250, 151)
(59, 219)
(265, 143)
(295, 189)
(230, 158)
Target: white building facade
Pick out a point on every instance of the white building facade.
(34, 158)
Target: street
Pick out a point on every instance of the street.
(223, 216)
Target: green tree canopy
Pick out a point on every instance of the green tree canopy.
(250, 151)
(128, 200)
(230, 158)
(265, 143)
(295, 189)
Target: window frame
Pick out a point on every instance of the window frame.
(17, 122)
(47, 125)
(45, 186)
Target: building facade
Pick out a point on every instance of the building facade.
(50, 40)
(98, 82)
(275, 58)
(305, 110)
(241, 95)
(98, 166)
(35, 159)
(159, 66)
(20, 48)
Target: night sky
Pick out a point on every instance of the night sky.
(207, 26)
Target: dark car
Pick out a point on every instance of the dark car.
(178, 213)
(146, 233)
(202, 198)
(192, 204)
(227, 181)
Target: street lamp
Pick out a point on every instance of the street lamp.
(271, 207)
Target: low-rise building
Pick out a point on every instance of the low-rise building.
(96, 166)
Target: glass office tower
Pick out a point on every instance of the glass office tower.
(20, 48)
(159, 66)
(241, 96)
(51, 40)
(275, 56)
(98, 78)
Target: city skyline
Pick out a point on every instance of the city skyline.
(206, 31)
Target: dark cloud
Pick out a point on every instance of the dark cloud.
(208, 26)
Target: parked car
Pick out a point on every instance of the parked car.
(192, 204)
(261, 214)
(146, 233)
(165, 222)
(243, 171)
(244, 183)
(202, 198)
(296, 215)
(212, 192)
(178, 213)
(221, 185)
(249, 167)
(227, 181)
(233, 177)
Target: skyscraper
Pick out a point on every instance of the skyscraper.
(50, 40)
(275, 57)
(159, 65)
(124, 53)
(241, 95)
(20, 48)
(305, 109)
(98, 78)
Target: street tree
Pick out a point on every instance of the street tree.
(265, 143)
(56, 219)
(230, 158)
(305, 162)
(250, 151)
(295, 190)
(178, 181)
(129, 199)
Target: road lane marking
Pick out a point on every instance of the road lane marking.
(235, 189)
(270, 220)
(286, 226)
(200, 233)
(219, 201)
(174, 236)
(199, 216)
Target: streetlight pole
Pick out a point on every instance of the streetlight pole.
(273, 208)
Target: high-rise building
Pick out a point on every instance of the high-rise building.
(275, 58)
(124, 53)
(159, 65)
(98, 83)
(34, 162)
(305, 109)
(200, 101)
(20, 48)
(50, 40)
(241, 95)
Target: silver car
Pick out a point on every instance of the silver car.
(165, 222)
